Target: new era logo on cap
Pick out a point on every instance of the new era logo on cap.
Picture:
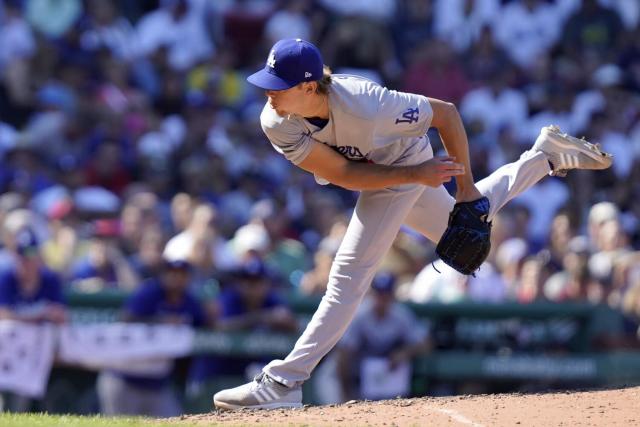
(290, 62)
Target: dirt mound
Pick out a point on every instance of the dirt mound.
(585, 408)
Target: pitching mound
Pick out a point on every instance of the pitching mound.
(585, 408)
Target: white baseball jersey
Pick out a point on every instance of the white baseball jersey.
(370, 122)
(366, 122)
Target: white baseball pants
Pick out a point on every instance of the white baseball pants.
(376, 220)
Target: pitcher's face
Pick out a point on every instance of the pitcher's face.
(295, 100)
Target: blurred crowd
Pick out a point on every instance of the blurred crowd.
(131, 153)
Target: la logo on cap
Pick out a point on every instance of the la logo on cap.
(271, 60)
(307, 74)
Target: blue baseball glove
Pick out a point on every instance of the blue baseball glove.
(465, 243)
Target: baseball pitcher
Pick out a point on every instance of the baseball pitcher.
(354, 133)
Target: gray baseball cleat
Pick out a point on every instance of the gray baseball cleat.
(262, 393)
(566, 152)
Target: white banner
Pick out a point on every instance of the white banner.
(26, 356)
(130, 347)
(27, 350)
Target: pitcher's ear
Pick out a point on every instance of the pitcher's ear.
(310, 87)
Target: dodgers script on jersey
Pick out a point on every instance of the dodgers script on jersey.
(367, 122)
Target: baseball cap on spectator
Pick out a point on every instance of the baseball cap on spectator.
(511, 251)
(603, 211)
(250, 237)
(44, 200)
(60, 209)
(26, 242)
(96, 199)
(177, 264)
(383, 282)
(253, 269)
(263, 209)
(607, 75)
(579, 245)
(56, 96)
(290, 62)
(155, 145)
(105, 228)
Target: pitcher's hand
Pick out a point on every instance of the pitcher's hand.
(438, 170)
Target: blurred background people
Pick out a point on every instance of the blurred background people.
(104, 266)
(164, 300)
(29, 292)
(374, 356)
(249, 302)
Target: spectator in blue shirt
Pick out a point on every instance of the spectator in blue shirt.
(163, 300)
(105, 265)
(251, 304)
(167, 300)
(29, 291)
(382, 329)
(248, 304)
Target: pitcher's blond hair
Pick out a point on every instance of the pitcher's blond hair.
(325, 82)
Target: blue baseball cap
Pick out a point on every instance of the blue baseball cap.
(26, 242)
(290, 62)
(253, 269)
(383, 282)
(177, 264)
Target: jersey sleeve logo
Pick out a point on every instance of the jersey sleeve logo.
(410, 116)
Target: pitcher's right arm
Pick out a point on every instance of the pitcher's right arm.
(330, 165)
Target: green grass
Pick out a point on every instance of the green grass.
(46, 420)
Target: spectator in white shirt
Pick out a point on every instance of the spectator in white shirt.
(108, 29)
(526, 29)
(459, 22)
(180, 28)
(495, 104)
(289, 22)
